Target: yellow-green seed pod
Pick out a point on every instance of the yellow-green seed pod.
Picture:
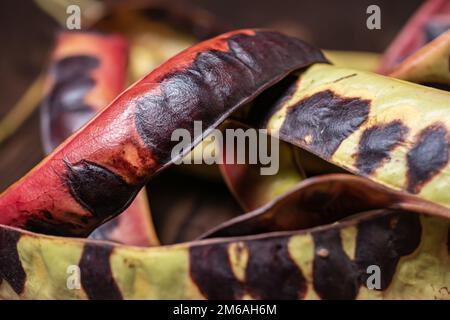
(390, 252)
(410, 258)
(391, 131)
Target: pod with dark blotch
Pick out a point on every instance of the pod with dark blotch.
(98, 171)
(249, 183)
(88, 70)
(327, 262)
(322, 200)
(393, 132)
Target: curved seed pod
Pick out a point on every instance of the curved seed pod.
(97, 172)
(157, 31)
(322, 200)
(430, 20)
(87, 72)
(247, 183)
(390, 131)
(329, 262)
(430, 64)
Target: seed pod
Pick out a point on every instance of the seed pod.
(430, 64)
(382, 250)
(322, 200)
(390, 131)
(88, 71)
(95, 174)
(430, 20)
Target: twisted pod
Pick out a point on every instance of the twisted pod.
(87, 71)
(97, 172)
(316, 241)
(249, 259)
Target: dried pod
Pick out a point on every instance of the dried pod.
(328, 262)
(430, 20)
(393, 132)
(96, 173)
(430, 64)
(322, 200)
(87, 72)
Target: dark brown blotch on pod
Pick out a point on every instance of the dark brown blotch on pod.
(99, 190)
(335, 276)
(377, 143)
(215, 84)
(97, 279)
(322, 121)
(64, 109)
(428, 156)
(271, 274)
(211, 271)
(11, 269)
(383, 241)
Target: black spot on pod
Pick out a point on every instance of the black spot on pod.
(216, 84)
(427, 157)
(322, 121)
(44, 225)
(271, 273)
(11, 269)
(383, 241)
(64, 109)
(96, 276)
(211, 271)
(376, 144)
(335, 276)
(98, 189)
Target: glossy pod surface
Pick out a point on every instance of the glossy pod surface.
(393, 132)
(88, 70)
(328, 262)
(98, 171)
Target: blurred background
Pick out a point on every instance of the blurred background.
(27, 37)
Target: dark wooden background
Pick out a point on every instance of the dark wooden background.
(26, 37)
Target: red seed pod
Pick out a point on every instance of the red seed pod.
(88, 70)
(430, 20)
(95, 174)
